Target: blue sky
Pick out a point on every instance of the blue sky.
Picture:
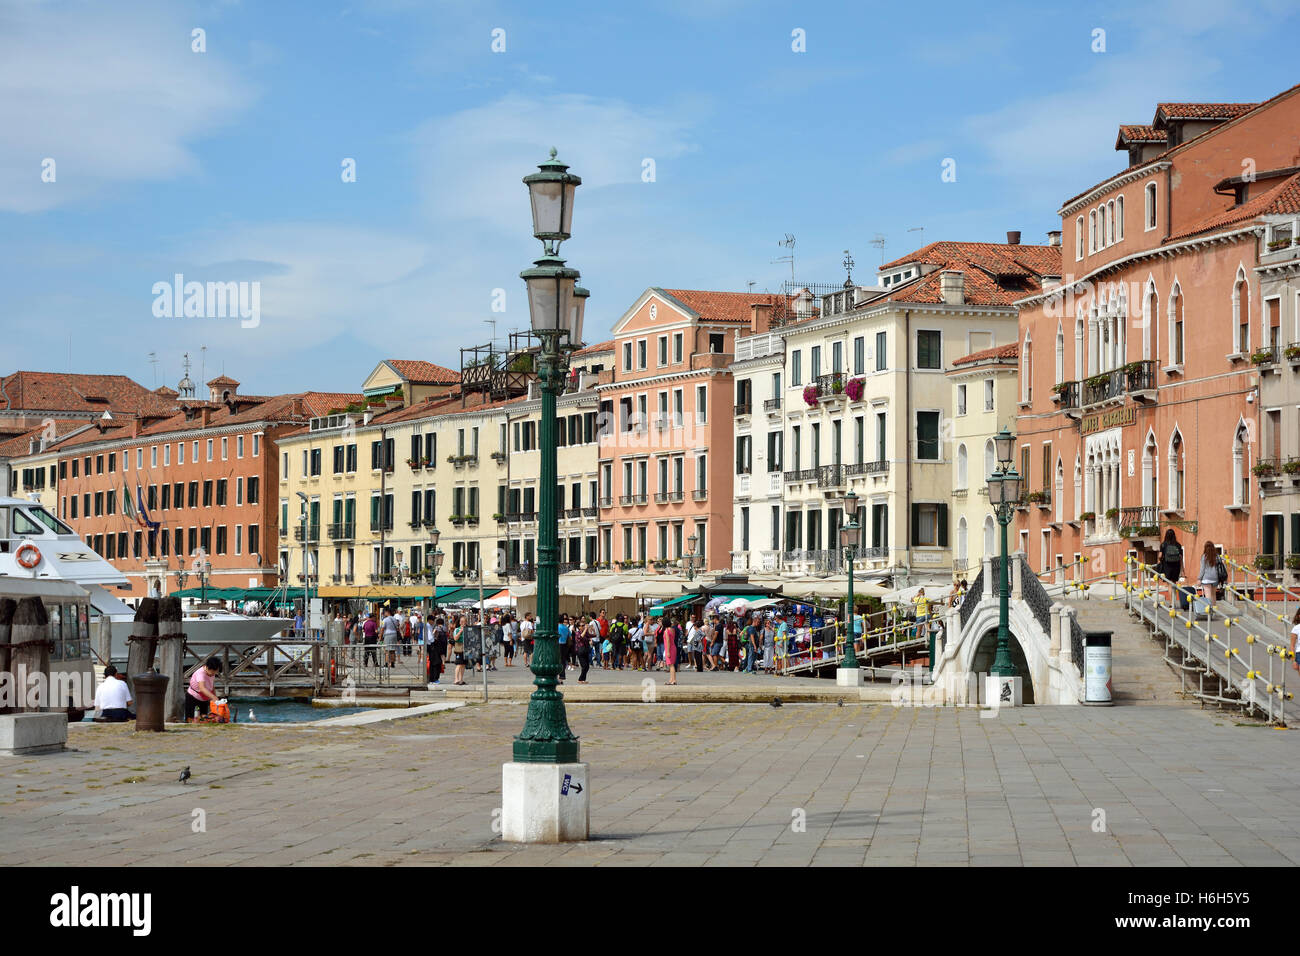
(225, 165)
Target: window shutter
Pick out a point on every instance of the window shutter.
(943, 525)
(915, 523)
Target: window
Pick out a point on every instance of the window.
(1176, 325)
(1240, 313)
(795, 447)
(929, 351)
(814, 362)
(963, 478)
(1119, 218)
(796, 368)
(167, 457)
(1177, 461)
(641, 353)
(239, 449)
(209, 449)
(701, 404)
(257, 450)
(1078, 238)
(627, 356)
(1092, 231)
(253, 486)
(988, 395)
(744, 454)
(881, 440)
(774, 451)
(663, 350)
(1060, 351)
(882, 354)
(153, 460)
(859, 355)
(677, 347)
(701, 473)
(961, 399)
(929, 524)
(1150, 193)
(927, 436)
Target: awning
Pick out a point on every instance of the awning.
(659, 609)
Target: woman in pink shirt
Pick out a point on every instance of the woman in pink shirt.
(200, 694)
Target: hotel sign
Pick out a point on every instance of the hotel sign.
(1113, 419)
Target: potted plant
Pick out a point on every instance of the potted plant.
(1292, 467)
(837, 385)
(855, 388)
(1087, 515)
(1277, 244)
(1264, 469)
(1148, 531)
(498, 517)
(1112, 514)
(1292, 352)
(1261, 356)
(1097, 380)
(1264, 562)
(810, 396)
(1034, 496)
(1293, 562)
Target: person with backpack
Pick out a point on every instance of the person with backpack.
(1212, 574)
(582, 636)
(618, 638)
(1170, 564)
(436, 649)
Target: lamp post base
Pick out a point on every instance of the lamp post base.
(1003, 691)
(545, 803)
(848, 677)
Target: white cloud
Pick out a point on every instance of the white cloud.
(111, 95)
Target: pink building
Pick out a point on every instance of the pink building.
(665, 453)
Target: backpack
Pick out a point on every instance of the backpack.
(1172, 554)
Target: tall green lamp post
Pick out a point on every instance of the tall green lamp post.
(850, 532)
(1004, 494)
(691, 556)
(545, 795)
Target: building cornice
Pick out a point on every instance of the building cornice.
(1110, 185)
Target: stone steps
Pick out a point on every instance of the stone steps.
(1139, 672)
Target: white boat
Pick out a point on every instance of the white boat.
(36, 545)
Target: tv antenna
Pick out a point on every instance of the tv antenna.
(921, 230)
(153, 360)
(787, 243)
(879, 243)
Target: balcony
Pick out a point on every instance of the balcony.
(342, 531)
(745, 409)
(661, 497)
(830, 477)
(1267, 356)
(590, 512)
(710, 360)
(625, 499)
(1139, 523)
(522, 517)
(1269, 470)
(378, 525)
(1066, 395)
(830, 387)
(1042, 498)
(640, 499)
(806, 474)
(307, 533)
(868, 468)
(1136, 379)
(699, 494)
(608, 502)
(677, 495)
(524, 572)
(772, 406)
(460, 461)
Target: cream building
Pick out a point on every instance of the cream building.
(868, 407)
(759, 489)
(984, 396)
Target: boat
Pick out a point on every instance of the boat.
(35, 545)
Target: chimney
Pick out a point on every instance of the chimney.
(952, 286)
(1053, 237)
(205, 416)
(295, 408)
(1013, 238)
(760, 317)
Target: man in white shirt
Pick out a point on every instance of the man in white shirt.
(112, 697)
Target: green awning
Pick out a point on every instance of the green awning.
(658, 609)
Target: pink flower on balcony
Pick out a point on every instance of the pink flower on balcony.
(810, 396)
(854, 388)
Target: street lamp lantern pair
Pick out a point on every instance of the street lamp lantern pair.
(435, 564)
(1005, 487)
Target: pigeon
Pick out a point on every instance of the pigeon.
(185, 775)
(776, 701)
(840, 702)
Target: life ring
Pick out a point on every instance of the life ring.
(28, 556)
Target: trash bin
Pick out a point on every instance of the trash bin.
(1096, 668)
(150, 700)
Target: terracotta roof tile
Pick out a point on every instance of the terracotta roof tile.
(721, 306)
(607, 346)
(1282, 198)
(1199, 111)
(1011, 351)
(70, 392)
(424, 373)
(222, 380)
(1135, 133)
(994, 273)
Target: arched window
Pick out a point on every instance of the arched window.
(963, 546)
(1110, 222)
(1058, 491)
(1078, 343)
(990, 458)
(1092, 231)
(1078, 238)
(1177, 465)
(1149, 310)
(990, 537)
(962, 478)
(1240, 462)
(1027, 370)
(1149, 497)
(1078, 488)
(1176, 324)
(1119, 218)
(1060, 352)
(1241, 312)
(1151, 205)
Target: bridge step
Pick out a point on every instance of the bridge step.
(1140, 674)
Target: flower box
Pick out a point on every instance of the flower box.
(1293, 562)
(1264, 562)
(810, 396)
(1112, 513)
(1261, 356)
(1087, 515)
(855, 388)
(1292, 353)
(1265, 469)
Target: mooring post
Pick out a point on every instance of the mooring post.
(30, 645)
(143, 641)
(171, 643)
(7, 606)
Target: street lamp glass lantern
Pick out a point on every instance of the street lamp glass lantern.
(1004, 444)
(850, 532)
(550, 295)
(433, 537)
(1012, 484)
(550, 192)
(577, 310)
(437, 560)
(692, 541)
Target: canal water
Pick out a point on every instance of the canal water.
(285, 710)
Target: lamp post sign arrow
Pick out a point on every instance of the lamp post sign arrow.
(567, 783)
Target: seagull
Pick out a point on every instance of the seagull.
(252, 716)
(185, 775)
(776, 701)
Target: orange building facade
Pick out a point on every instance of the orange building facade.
(1139, 370)
(667, 428)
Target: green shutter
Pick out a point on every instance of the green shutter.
(943, 525)
(916, 520)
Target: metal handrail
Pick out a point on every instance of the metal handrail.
(1144, 588)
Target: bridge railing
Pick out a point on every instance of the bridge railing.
(827, 646)
(1210, 643)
